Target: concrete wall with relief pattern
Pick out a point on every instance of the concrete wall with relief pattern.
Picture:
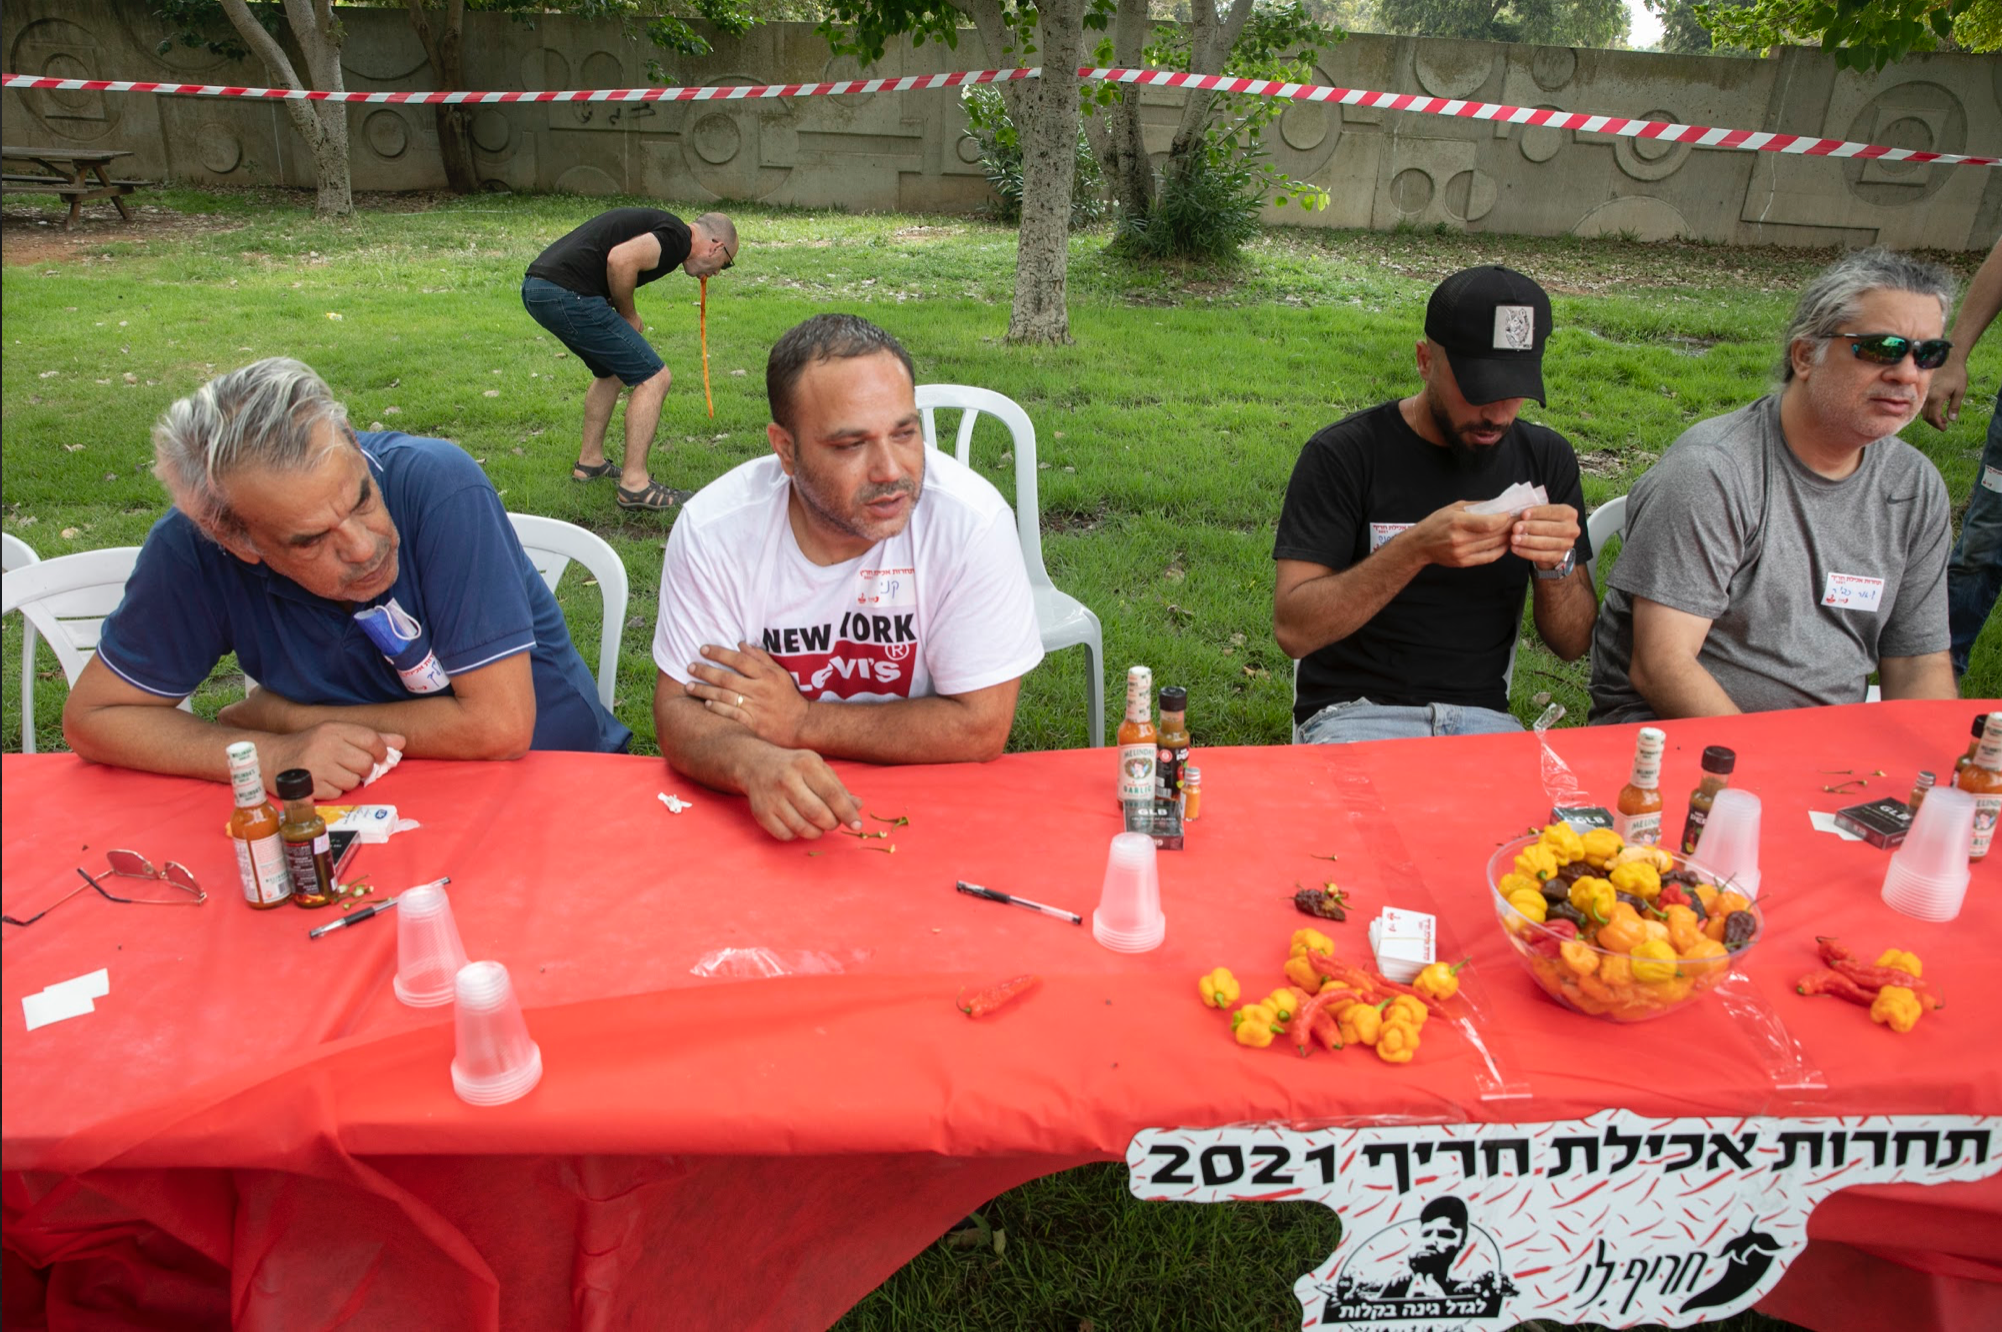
(910, 152)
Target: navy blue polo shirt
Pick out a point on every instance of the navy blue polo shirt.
(461, 573)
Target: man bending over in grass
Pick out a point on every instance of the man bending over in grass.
(289, 534)
(1776, 556)
(1401, 604)
(581, 289)
(854, 595)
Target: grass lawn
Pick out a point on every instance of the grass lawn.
(1166, 436)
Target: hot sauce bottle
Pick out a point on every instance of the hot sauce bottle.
(308, 849)
(1718, 763)
(1983, 781)
(1637, 817)
(260, 850)
(1136, 751)
(1171, 754)
(1977, 730)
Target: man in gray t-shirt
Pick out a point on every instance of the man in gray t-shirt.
(1776, 556)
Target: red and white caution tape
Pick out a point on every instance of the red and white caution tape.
(1701, 136)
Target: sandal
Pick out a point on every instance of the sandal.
(579, 472)
(655, 497)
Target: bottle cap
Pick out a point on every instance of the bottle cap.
(295, 784)
(1718, 759)
(1174, 698)
(1925, 782)
(1191, 775)
(1980, 725)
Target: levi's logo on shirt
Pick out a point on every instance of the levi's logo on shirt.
(864, 654)
(1853, 592)
(1382, 532)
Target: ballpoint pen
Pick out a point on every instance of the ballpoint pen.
(975, 890)
(374, 908)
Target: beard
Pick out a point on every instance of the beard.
(1467, 456)
(851, 521)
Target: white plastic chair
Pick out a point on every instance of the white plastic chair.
(66, 599)
(1062, 619)
(551, 544)
(18, 554)
(1609, 520)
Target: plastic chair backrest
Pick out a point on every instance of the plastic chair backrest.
(971, 402)
(18, 554)
(66, 599)
(551, 544)
(1609, 520)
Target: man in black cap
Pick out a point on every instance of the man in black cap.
(1398, 594)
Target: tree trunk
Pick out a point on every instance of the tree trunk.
(1049, 158)
(323, 125)
(444, 47)
(1209, 50)
(1115, 131)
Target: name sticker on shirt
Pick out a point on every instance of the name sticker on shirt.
(886, 587)
(1853, 592)
(1382, 532)
(1991, 479)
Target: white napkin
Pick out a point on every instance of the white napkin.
(1514, 500)
(65, 999)
(383, 768)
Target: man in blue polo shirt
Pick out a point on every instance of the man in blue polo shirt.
(371, 585)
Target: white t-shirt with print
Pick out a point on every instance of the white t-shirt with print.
(943, 607)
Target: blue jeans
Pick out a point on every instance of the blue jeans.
(1360, 719)
(592, 329)
(1975, 574)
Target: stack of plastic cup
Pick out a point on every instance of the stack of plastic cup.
(428, 951)
(1929, 872)
(1129, 919)
(496, 1062)
(1729, 847)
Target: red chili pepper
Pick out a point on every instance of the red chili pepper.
(997, 996)
(1831, 949)
(1839, 958)
(1313, 1014)
(1553, 936)
(1672, 894)
(1369, 982)
(1837, 984)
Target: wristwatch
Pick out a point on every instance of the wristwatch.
(1563, 570)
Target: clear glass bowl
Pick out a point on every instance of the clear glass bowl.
(1607, 988)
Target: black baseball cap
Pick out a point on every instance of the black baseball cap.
(1493, 322)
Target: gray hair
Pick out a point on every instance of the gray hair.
(721, 227)
(1830, 301)
(268, 414)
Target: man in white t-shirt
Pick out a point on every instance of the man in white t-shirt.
(873, 590)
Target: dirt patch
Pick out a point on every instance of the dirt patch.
(34, 235)
(927, 233)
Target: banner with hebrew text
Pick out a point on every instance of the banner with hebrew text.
(1616, 1219)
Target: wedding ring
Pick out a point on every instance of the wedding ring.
(740, 700)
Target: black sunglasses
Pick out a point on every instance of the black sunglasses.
(132, 865)
(1891, 348)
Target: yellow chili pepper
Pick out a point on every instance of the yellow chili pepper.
(1284, 1002)
(1706, 957)
(1538, 861)
(1440, 980)
(1565, 842)
(1652, 856)
(1404, 1008)
(1310, 941)
(1532, 904)
(1255, 1025)
(1360, 1024)
(1397, 1043)
(1897, 1008)
(1511, 884)
(1654, 962)
(1301, 973)
(1638, 878)
(1219, 989)
(1902, 961)
(1582, 960)
(1600, 846)
(1594, 897)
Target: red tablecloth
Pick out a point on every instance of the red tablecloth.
(251, 1125)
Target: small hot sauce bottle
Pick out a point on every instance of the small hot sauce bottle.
(1637, 817)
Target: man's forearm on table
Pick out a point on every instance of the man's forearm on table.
(939, 729)
(442, 727)
(154, 739)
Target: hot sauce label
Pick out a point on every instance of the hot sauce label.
(261, 867)
(1615, 1219)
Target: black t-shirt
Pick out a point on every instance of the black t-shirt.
(1447, 636)
(577, 262)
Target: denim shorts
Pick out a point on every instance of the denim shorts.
(590, 327)
(1360, 719)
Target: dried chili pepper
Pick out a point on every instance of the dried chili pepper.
(1328, 903)
(1740, 927)
(997, 996)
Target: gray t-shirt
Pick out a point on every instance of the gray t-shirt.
(1807, 582)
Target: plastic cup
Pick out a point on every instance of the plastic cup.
(1729, 847)
(1928, 874)
(428, 951)
(1128, 918)
(496, 1062)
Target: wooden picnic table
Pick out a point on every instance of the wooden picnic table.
(68, 172)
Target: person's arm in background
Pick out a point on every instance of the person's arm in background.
(623, 266)
(1930, 676)
(1665, 668)
(1978, 309)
